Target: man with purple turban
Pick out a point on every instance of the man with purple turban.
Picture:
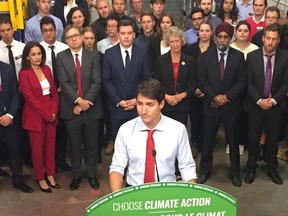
(222, 73)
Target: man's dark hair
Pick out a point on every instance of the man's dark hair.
(275, 27)
(196, 10)
(125, 22)
(147, 13)
(47, 20)
(112, 16)
(201, 1)
(273, 9)
(154, 1)
(265, 2)
(5, 20)
(152, 89)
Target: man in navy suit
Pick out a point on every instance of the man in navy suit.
(222, 73)
(9, 123)
(124, 67)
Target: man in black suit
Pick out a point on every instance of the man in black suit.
(222, 75)
(79, 76)
(266, 100)
(9, 123)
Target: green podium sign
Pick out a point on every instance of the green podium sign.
(165, 199)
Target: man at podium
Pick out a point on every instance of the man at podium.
(147, 146)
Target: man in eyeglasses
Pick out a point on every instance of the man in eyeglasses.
(197, 17)
(79, 75)
(272, 15)
(52, 47)
(32, 28)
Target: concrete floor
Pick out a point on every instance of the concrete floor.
(262, 198)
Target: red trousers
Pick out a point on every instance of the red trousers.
(43, 149)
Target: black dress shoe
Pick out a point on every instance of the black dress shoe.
(23, 187)
(275, 177)
(47, 190)
(249, 177)
(4, 173)
(64, 166)
(75, 183)
(236, 181)
(203, 178)
(94, 183)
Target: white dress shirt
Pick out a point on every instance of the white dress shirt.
(171, 142)
(123, 53)
(17, 49)
(58, 47)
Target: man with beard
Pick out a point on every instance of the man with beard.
(196, 18)
(266, 101)
(222, 75)
(103, 9)
(206, 5)
(136, 9)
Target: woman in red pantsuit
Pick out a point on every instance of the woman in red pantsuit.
(40, 110)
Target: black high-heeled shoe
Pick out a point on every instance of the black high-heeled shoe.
(56, 186)
(48, 190)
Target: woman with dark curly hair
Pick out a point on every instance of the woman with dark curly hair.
(39, 117)
(228, 12)
(62, 8)
(77, 17)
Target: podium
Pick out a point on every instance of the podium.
(165, 199)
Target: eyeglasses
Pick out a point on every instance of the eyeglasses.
(45, 31)
(75, 36)
(269, 17)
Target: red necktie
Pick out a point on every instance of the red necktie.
(79, 76)
(221, 65)
(149, 175)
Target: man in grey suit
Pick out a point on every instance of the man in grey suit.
(79, 76)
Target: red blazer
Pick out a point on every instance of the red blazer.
(34, 110)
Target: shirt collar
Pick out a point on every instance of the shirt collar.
(47, 45)
(123, 49)
(264, 53)
(159, 127)
(79, 52)
(262, 19)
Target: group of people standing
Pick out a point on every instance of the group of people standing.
(67, 90)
